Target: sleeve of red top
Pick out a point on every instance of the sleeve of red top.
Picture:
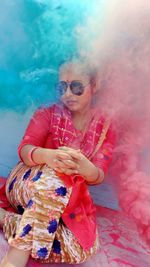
(103, 157)
(37, 130)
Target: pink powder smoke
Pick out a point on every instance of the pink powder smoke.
(120, 52)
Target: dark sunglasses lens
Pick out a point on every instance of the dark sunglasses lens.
(77, 88)
(62, 87)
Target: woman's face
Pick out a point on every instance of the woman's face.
(76, 103)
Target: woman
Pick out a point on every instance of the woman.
(66, 147)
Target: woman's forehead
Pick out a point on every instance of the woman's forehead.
(73, 73)
(74, 66)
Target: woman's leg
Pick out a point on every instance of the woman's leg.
(15, 258)
(10, 221)
(66, 248)
(44, 197)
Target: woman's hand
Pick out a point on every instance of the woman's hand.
(61, 161)
(65, 160)
(84, 166)
(56, 159)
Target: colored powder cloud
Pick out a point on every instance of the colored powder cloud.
(36, 37)
(119, 50)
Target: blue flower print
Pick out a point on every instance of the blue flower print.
(61, 191)
(56, 247)
(42, 252)
(20, 209)
(30, 203)
(26, 230)
(27, 174)
(72, 215)
(106, 157)
(52, 227)
(12, 184)
(37, 176)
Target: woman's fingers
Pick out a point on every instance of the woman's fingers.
(6, 232)
(75, 154)
(58, 164)
(70, 171)
(65, 148)
(66, 171)
(70, 164)
(9, 231)
(65, 164)
(63, 155)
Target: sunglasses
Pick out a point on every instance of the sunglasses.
(76, 87)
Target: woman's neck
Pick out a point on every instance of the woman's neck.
(81, 119)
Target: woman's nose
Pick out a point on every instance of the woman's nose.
(68, 91)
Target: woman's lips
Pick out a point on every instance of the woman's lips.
(71, 102)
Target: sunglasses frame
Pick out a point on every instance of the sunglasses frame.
(73, 88)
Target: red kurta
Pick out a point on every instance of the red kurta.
(52, 127)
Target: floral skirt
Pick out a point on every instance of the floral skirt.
(40, 197)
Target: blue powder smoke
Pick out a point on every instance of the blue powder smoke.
(35, 38)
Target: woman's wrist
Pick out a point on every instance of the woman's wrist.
(34, 155)
(30, 156)
(97, 178)
(40, 155)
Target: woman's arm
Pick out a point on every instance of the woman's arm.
(92, 174)
(55, 158)
(31, 149)
(32, 155)
(36, 132)
(66, 160)
(94, 170)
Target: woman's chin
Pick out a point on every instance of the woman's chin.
(72, 107)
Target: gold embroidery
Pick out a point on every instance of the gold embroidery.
(102, 137)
